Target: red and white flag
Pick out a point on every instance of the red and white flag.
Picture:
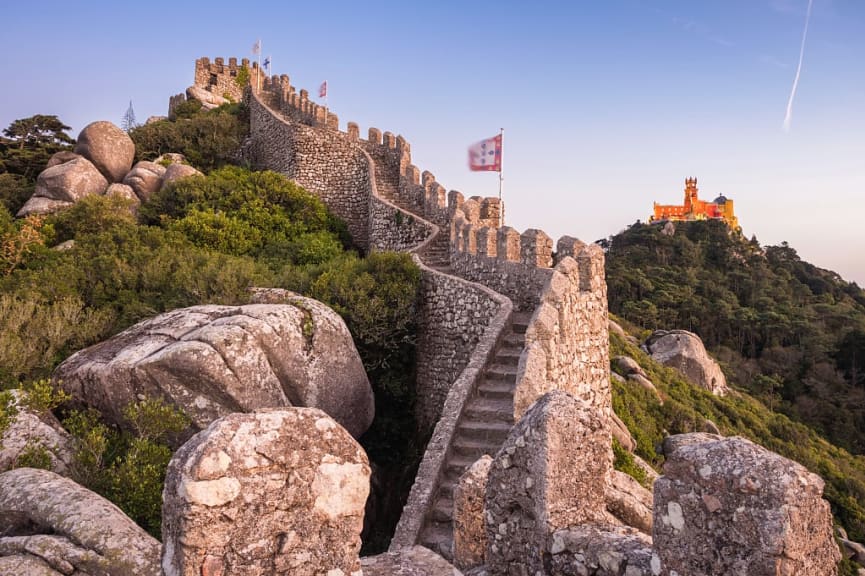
(256, 48)
(486, 155)
(322, 90)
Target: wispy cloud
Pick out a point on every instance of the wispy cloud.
(789, 115)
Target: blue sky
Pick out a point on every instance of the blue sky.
(607, 106)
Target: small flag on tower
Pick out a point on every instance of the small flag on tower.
(256, 48)
(266, 64)
(486, 155)
(322, 90)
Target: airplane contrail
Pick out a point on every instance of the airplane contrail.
(789, 115)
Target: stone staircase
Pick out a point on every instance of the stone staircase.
(487, 417)
(482, 429)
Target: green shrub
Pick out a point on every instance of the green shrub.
(208, 139)
(260, 214)
(127, 468)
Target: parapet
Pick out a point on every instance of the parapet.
(221, 79)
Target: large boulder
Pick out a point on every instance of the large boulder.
(176, 172)
(729, 506)
(145, 178)
(61, 157)
(64, 184)
(685, 352)
(208, 100)
(109, 148)
(279, 491)
(46, 519)
(551, 473)
(214, 360)
(30, 431)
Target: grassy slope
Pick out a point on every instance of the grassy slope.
(686, 407)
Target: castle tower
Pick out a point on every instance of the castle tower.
(690, 193)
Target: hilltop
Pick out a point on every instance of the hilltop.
(789, 333)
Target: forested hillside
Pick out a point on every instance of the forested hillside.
(786, 331)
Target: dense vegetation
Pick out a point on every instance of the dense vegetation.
(686, 407)
(789, 333)
(201, 240)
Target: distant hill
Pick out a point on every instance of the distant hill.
(789, 333)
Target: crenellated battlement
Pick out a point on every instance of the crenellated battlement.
(220, 78)
(477, 274)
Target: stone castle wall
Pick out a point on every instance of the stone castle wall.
(495, 270)
(320, 161)
(338, 167)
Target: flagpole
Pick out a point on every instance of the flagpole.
(501, 176)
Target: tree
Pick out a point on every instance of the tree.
(29, 144)
(39, 129)
(129, 122)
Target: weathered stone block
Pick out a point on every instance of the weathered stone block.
(533, 488)
(273, 492)
(508, 244)
(536, 248)
(599, 551)
(470, 538)
(487, 242)
(729, 506)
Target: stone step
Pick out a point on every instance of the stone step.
(503, 372)
(439, 538)
(495, 431)
(443, 510)
(513, 340)
(508, 355)
(489, 410)
(496, 389)
(472, 447)
(457, 464)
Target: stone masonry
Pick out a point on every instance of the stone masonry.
(550, 474)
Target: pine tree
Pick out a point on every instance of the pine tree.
(129, 121)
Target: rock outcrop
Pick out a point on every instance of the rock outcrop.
(63, 184)
(108, 147)
(29, 430)
(145, 179)
(208, 100)
(551, 473)
(51, 525)
(176, 172)
(729, 506)
(214, 360)
(685, 352)
(279, 491)
(628, 501)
